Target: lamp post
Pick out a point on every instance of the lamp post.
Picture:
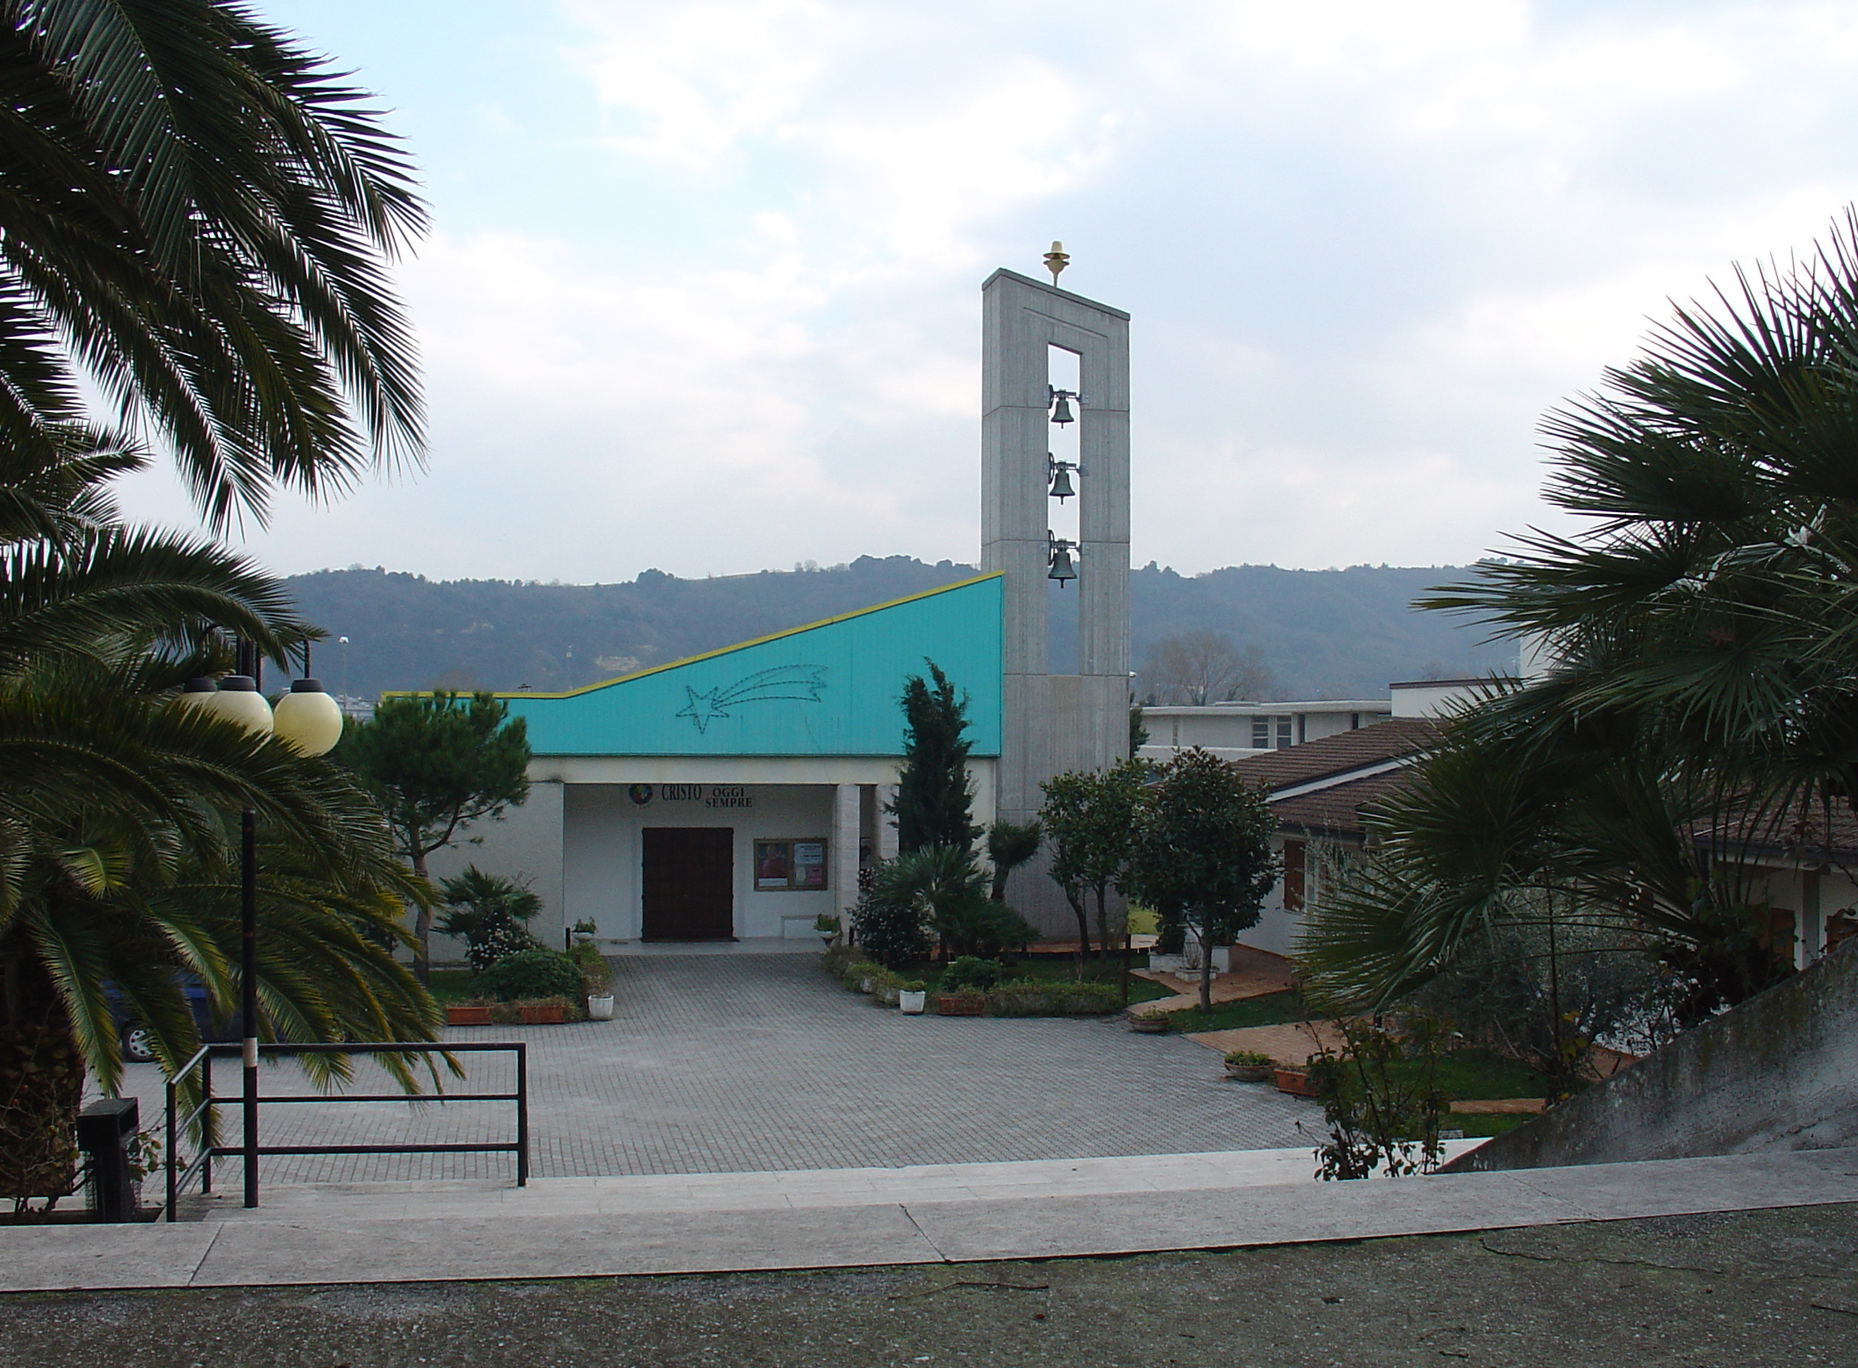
(310, 723)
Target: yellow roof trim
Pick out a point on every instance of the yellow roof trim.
(722, 650)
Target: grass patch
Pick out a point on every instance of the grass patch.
(1469, 1075)
(1273, 1009)
(451, 985)
(1482, 1127)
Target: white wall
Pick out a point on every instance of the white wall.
(526, 846)
(603, 851)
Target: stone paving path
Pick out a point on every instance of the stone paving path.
(749, 1063)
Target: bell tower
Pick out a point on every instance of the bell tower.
(1052, 722)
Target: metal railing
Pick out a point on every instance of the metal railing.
(202, 1165)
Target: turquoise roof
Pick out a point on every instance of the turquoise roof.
(826, 689)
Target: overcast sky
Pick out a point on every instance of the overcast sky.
(703, 291)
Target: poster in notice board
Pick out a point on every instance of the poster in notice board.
(790, 865)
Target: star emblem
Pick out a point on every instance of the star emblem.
(702, 707)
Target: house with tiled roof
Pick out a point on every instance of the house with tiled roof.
(1322, 792)
(1319, 792)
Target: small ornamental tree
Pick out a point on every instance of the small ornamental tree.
(1010, 845)
(437, 764)
(934, 805)
(491, 914)
(1201, 852)
(1088, 817)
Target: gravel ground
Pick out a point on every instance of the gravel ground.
(1750, 1288)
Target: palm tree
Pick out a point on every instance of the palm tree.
(1702, 689)
(117, 863)
(196, 213)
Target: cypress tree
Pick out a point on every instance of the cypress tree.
(935, 801)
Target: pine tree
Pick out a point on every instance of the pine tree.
(935, 800)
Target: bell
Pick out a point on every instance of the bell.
(1062, 569)
(1061, 480)
(1062, 414)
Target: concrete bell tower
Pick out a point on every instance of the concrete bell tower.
(1054, 722)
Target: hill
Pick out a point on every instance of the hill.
(1335, 633)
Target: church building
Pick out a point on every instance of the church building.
(736, 795)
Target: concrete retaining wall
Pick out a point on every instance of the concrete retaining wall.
(1778, 1072)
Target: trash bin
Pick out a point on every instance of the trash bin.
(104, 1130)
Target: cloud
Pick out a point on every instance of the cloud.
(1365, 247)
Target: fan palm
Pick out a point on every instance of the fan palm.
(117, 864)
(1702, 689)
(193, 210)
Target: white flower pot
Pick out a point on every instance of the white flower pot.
(600, 1008)
(911, 1004)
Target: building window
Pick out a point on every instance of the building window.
(783, 866)
(1261, 733)
(1295, 861)
(1283, 732)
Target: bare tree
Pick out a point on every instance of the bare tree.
(1204, 667)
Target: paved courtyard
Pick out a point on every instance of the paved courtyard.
(732, 1063)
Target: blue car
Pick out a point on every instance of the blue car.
(138, 1045)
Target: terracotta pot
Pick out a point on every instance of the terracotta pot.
(1249, 1073)
(1141, 1027)
(456, 1014)
(960, 1004)
(540, 1013)
(1293, 1081)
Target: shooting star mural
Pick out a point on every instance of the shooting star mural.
(790, 683)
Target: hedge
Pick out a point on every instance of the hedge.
(1034, 998)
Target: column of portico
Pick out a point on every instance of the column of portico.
(844, 850)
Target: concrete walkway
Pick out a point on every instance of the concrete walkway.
(598, 1228)
(733, 1063)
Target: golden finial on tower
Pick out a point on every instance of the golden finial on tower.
(1056, 260)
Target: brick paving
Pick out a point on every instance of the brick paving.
(743, 1063)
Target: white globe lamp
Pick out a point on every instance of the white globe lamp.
(308, 720)
(234, 697)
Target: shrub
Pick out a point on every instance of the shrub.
(535, 973)
(1033, 998)
(596, 973)
(889, 930)
(489, 912)
(969, 974)
(1381, 1115)
(838, 956)
(976, 926)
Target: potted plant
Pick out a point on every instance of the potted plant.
(467, 1014)
(912, 995)
(1248, 1066)
(828, 927)
(549, 1011)
(583, 931)
(596, 980)
(1296, 1082)
(1150, 1022)
(964, 985)
(884, 987)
